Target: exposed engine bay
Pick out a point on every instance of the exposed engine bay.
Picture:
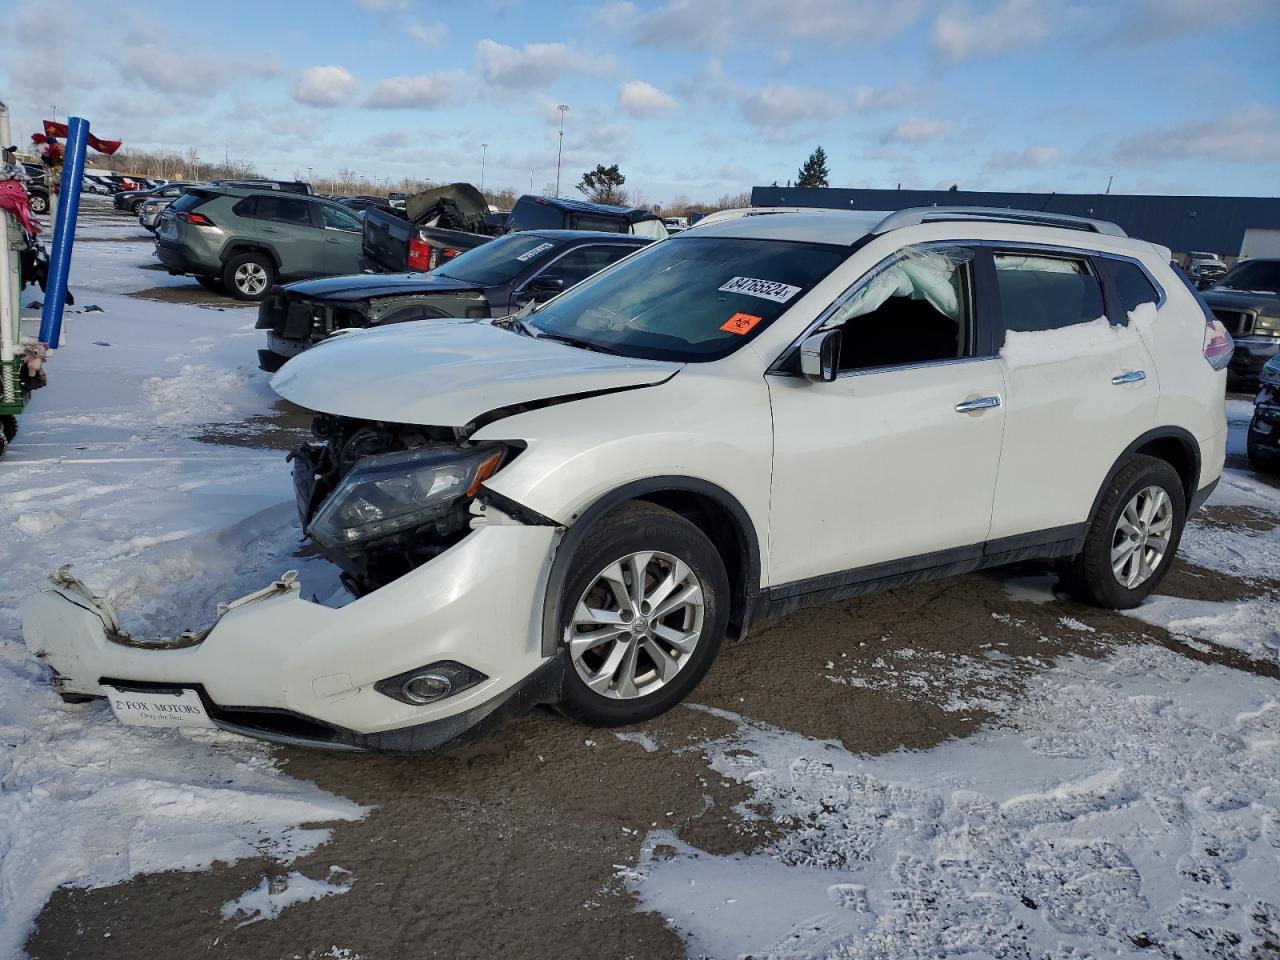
(380, 499)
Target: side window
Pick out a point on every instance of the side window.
(338, 219)
(1046, 291)
(283, 209)
(248, 207)
(593, 221)
(1130, 283)
(532, 215)
(576, 265)
(915, 308)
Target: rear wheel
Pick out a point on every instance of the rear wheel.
(212, 284)
(9, 426)
(644, 610)
(249, 276)
(39, 203)
(1133, 537)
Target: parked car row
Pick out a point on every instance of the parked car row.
(576, 504)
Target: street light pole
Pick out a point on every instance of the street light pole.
(560, 150)
(483, 148)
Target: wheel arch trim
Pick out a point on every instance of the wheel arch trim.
(638, 490)
(1190, 447)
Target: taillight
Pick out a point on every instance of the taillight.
(1218, 345)
(196, 219)
(421, 256)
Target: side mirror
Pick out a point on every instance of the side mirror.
(820, 356)
(544, 287)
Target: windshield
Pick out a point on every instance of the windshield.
(1259, 276)
(688, 298)
(499, 261)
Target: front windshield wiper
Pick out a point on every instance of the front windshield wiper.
(575, 342)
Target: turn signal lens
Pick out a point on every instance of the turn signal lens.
(484, 472)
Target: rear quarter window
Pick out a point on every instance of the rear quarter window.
(1130, 282)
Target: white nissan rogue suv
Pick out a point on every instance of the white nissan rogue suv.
(577, 504)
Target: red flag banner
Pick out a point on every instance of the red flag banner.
(59, 130)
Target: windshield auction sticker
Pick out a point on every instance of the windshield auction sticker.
(530, 254)
(740, 323)
(764, 289)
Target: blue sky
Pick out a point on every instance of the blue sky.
(691, 97)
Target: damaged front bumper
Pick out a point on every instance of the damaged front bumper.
(279, 667)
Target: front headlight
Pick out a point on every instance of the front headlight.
(1270, 374)
(397, 491)
(1267, 326)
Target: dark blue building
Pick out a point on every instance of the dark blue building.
(1216, 224)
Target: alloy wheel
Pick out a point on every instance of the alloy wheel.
(636, 625)
(1142, 536)
(250, 279)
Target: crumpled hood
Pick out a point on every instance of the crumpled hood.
(361, 286)
(469, 200)
(447, 373)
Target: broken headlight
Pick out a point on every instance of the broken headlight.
(390, 492)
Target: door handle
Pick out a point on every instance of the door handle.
(332, 240)
(982, 403)
(1130, 376)
(269, 230)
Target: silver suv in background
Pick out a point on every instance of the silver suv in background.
(243, 241)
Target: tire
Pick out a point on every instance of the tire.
(135, 207)
(1090, 575)
(634, 689)
(39, 203)
(8, 427)
(212, 284)
(249, 276)
(1261, 459)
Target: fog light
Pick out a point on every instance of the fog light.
(426, 687)
(430, 684)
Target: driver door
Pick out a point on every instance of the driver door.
(890, 467)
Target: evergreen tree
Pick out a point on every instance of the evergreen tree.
(814, 173)
(603, 184)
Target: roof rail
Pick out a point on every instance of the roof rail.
(913, 216)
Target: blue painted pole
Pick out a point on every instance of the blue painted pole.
(64, 231)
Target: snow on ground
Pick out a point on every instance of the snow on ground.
(104, 474)
(269, 898)
(1122, 807)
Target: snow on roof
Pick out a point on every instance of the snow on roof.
(816, 226)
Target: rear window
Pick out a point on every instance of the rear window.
(533, 215)
(189, 201)
(1043, 291)
(1130, 282)
(284, 209)
(500, 261)
(595, 221)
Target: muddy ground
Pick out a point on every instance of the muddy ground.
(512, 847)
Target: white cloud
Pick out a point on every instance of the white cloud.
(1010, 25)
(1248, 134)
(429, 34)
(1154, 20)
(170, 69)
(712, 24)
(781, 105)
(917, 130)
(323, 86)
(640, 99)
(424, 91)
(536, 65)
(867, 99)
(1032, 158)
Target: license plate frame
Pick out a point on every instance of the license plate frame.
(161, 707)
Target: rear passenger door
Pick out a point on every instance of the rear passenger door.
(291, 225)
(342, 236)
(1081, 388)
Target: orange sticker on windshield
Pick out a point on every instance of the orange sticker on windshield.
(740, 323)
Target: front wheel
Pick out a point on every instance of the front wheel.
(1132, 539)
(249, 276)
(644, 609)
(39, 203)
